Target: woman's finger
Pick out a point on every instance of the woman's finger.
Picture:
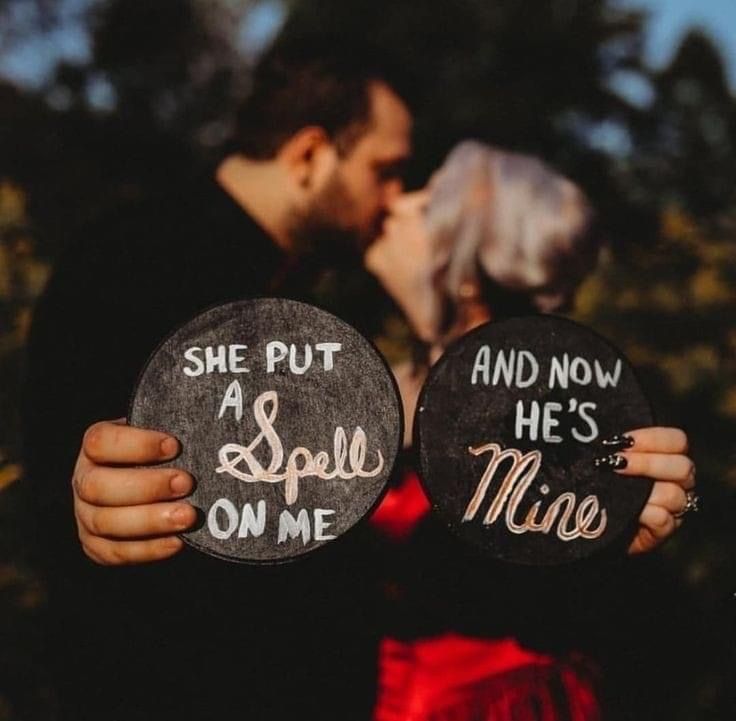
(658, 521)
(671, 467)
(647, 539)
(659, 439)
(669, 496)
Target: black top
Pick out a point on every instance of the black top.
(191, 637)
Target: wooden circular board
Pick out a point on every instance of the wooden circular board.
(509, 424)
(289, 422)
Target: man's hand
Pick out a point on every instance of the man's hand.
(127, 514)
(660, 454)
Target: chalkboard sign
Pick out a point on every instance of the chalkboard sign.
(510, 422)
(289, 422)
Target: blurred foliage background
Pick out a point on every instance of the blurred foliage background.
(148, 95)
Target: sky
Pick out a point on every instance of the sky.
(669, 19)
(30, 63)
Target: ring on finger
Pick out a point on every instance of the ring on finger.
(692, 501)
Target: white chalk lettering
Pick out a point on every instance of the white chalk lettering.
(592, 433)
(549, 422)
(320, 525)
(482, 365)
(191, 355)
(531, 421)
(294, 367)
(213, 523)
(525, 357)
(559, 372)
(276, 351)
(253, 524)
(328, 350)
(220, 359)
(349, 458)
(580, 371)
(504, 366)
(234, 358)
(604, 378)
(290, 527)
(511, 494)
(233, 398)
(512, 368)
(215, 360)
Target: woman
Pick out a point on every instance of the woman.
(494, 234)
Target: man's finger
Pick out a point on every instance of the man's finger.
(106, 486)
(659, 439)
(120, 553)
(156, 519)
(107, 442)
(660, 466)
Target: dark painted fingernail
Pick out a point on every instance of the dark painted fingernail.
(618, 441)
(614, 461)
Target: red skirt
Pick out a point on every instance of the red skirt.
(454, 678)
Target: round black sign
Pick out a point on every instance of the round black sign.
(289, 422)
(510, 423)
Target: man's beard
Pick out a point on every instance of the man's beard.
(328, 269)
(324, 231)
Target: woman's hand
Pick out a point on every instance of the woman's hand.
(660, 454)
(404, 262)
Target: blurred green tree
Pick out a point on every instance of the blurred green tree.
(670, 302)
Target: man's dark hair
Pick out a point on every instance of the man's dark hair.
(309, 81)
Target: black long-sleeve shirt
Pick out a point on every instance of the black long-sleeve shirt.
(190, 637)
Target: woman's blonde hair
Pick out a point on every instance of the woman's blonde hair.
(511, 217)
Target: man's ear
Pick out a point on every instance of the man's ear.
(309, 157)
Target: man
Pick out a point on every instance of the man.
(318, 150)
